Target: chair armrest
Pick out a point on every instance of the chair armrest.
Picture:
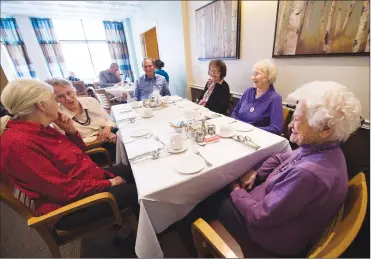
(213, 238)
(78, 205)
(93, 144)
(100, 150)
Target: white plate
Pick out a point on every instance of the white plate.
(241, 126)
(228, 135)
(190, 164)
(139, 133)
(176, 151)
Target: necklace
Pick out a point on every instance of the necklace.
(87, 122)
(298, 158)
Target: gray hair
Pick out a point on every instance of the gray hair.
(56, 81)
(270, 69)
(330, 104)
(147, 58)
(20, 96)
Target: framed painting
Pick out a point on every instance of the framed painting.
(218, 30)
(322, 28)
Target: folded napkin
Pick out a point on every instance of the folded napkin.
(125, 115)
(141, 146)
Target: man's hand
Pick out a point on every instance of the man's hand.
(248, 180)
(66, 124)
(116, 181)
(104, 134)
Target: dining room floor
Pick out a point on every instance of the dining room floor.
(18, 240)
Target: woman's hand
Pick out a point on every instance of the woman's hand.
(104, 133)
(66, 124)
(112, 138)
(116, 181)
(235, 186)
(248, 180)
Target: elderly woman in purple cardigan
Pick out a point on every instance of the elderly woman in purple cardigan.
(261, 105)
(283, 204)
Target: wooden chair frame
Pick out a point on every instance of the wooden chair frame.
(208, 241)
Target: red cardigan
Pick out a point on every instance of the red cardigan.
(48, 167)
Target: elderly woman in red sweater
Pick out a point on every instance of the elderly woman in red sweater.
(52, 169)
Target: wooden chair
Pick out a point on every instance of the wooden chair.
(230, 106)
(95, 147)
(105, 100)
(213, 239)
(287, 115)
(80, 87)
(42, 224)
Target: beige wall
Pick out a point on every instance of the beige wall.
(257, 35)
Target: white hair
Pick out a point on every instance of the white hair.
(20, 96)
(269, 68)
(332, 105)
(56, 81)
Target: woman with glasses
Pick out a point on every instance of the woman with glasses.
(216, 94)
(261, 105)
(90, 119)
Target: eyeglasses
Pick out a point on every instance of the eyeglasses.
(214, 72)
(64, 96)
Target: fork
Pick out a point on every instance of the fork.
(154, 155)
(195, 150)
(157, 139)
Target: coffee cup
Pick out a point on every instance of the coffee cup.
(147, 112)
(176, 141)
(135, 104)
(225, 130)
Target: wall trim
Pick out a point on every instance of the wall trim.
(366, 124)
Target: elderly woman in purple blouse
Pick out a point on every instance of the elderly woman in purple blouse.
(283, 204)
(261, 105)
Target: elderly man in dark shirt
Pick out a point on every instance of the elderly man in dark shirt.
(110, 77)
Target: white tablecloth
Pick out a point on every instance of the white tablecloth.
(166, 196)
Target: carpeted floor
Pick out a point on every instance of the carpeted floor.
(18, 240)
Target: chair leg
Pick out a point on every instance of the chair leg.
(50, 242)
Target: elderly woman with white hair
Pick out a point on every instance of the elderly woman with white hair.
(261, 105)
(50, 168)
(283, 204)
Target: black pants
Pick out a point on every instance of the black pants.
(125, 195)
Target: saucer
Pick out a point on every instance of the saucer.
(176, 151)
(148, 116)
(226, 135)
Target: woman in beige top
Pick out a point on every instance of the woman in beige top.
(90, 119)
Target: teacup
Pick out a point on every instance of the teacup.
(176, 141)
(135, 104)
(146, 112)
(225, 130)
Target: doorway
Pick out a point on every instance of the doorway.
(149, 43)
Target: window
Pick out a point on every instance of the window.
(84, 46)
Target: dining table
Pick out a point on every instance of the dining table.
(165, 193)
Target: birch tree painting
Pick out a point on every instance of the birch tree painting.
(326, 27)
(218, 30)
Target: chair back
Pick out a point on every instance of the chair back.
(346, 225)
(80, 87)
(103, 98)
(9, 194)
(230, 105)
